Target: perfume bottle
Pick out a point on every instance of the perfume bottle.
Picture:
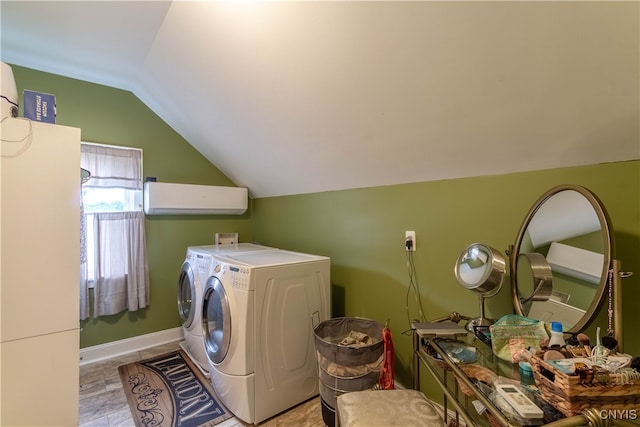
(599, 353)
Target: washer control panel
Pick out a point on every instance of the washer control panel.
(204, 263)
(239, 276)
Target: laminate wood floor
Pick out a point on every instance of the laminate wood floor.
(103, 402)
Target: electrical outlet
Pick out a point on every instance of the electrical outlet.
(226, 238)
(410, 236)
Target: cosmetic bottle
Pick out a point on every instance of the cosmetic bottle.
(557, 338)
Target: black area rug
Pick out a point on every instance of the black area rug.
(169, 391)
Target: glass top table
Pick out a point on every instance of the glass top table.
(463, 366)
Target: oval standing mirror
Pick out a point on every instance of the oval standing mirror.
(569, 227)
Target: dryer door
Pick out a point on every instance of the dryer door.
(216, 320)
(186, 295)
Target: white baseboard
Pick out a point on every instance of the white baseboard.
(117, 348)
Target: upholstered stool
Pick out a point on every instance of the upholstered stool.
(386, 408)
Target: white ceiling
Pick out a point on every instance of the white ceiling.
(310, 96)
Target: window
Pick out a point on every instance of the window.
(113, 257)
(103, 192)
(110, 200)
(116, 178)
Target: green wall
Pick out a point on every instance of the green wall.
(116, 117)
(362, 230)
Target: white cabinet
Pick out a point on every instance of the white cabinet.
(40, 250)
(40, 380)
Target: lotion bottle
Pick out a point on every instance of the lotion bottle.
(557, 338)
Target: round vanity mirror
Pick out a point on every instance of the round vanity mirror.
(560, 261)
(481, 269)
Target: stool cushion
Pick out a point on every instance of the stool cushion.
(386, 408)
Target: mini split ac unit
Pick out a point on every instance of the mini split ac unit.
(161, 198)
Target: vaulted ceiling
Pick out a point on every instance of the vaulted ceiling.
(291, 97)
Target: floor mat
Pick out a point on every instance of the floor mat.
(169, 391)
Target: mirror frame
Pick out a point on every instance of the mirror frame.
(608, 246)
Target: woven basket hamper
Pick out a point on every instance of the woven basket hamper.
(571, 395)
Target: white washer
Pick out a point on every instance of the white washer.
(196, 269)
(258, 314)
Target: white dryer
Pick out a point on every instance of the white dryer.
(196, 269)
(258, 314)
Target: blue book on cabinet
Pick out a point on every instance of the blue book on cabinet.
(39, 106)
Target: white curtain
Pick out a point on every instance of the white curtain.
(121, 269)
(112, 167)
(84, 284)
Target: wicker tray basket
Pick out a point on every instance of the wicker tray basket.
(571, 394)
(478, 373)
